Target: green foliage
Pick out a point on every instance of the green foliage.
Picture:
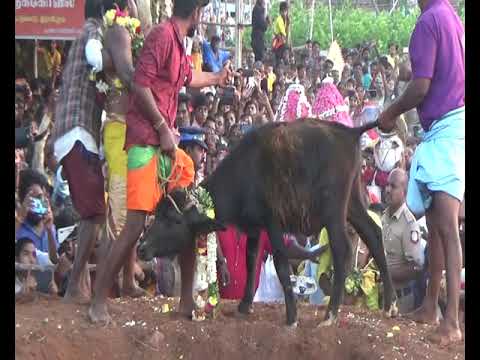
(352, 26)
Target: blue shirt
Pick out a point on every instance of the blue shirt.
(210, 59)
(41, 242)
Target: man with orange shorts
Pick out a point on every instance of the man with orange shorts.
(155, 163)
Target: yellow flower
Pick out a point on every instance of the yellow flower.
(213, 300)
(109, 16)
(121, 21)
(118, 83)
(210, 213)
(134, 23)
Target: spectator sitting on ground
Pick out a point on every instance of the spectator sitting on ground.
(29, 281)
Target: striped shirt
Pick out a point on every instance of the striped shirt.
(76, 105)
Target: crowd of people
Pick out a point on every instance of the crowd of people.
(351, 86)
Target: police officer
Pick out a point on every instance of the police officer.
(192, 141)
(401, 237)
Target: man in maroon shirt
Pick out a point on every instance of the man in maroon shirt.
(161, 71)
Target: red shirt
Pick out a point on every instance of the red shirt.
(163, 67)
(234, 248)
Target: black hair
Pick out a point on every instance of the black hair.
(300, 67)
(184, 8)
(110, 4)
(393, 44)
(316, 43)
(211, 119)
(377, 208)
(29, 177)
(309, 41)
(183, 98)
(283, 6)
(329, 61)
(200, 100)
(20, 244)
(351, 81)
(357, 64)
(66, 217)
(93, 9)
(215, 38)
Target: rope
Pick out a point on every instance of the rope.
(174, 204)
(165, 162)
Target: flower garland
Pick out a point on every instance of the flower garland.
(294, 104)
(132, 25)
(206, 285)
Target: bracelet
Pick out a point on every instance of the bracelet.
(157, 125)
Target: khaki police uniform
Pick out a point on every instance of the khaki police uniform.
(401, 238)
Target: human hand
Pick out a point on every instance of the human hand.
(226, 74)
(64, 264)
(224, 274)
(386, 122)
(167, 142)
(30, 283)
(315, 254)
(48, 218)
(132, 8)
(26, 206)
(52, 288)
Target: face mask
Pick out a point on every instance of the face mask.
(33, 219)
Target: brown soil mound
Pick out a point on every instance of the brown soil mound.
(49, 329)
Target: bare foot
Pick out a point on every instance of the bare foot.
(423, 316)
(98, 313)
(445, 335)
(134, 292)
(76, 297)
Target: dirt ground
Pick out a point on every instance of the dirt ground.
(49, 329)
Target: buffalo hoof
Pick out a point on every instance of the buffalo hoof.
(393, 311)
(245, 309)
(98, 314)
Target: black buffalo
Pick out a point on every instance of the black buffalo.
(285, 178)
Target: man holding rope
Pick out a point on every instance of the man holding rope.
(151, 141)
(437, 174)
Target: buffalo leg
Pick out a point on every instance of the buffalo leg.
(252, 252)
(280, 260)
(342, 253)
(371, 235)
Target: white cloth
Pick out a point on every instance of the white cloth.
(43, 259)
(65, 143)
(93, 53)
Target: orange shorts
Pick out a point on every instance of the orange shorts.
(143, 188)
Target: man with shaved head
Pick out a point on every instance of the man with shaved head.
(401, 237)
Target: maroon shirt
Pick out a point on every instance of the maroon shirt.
(163, 67)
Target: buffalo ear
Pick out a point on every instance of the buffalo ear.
(204, 225)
